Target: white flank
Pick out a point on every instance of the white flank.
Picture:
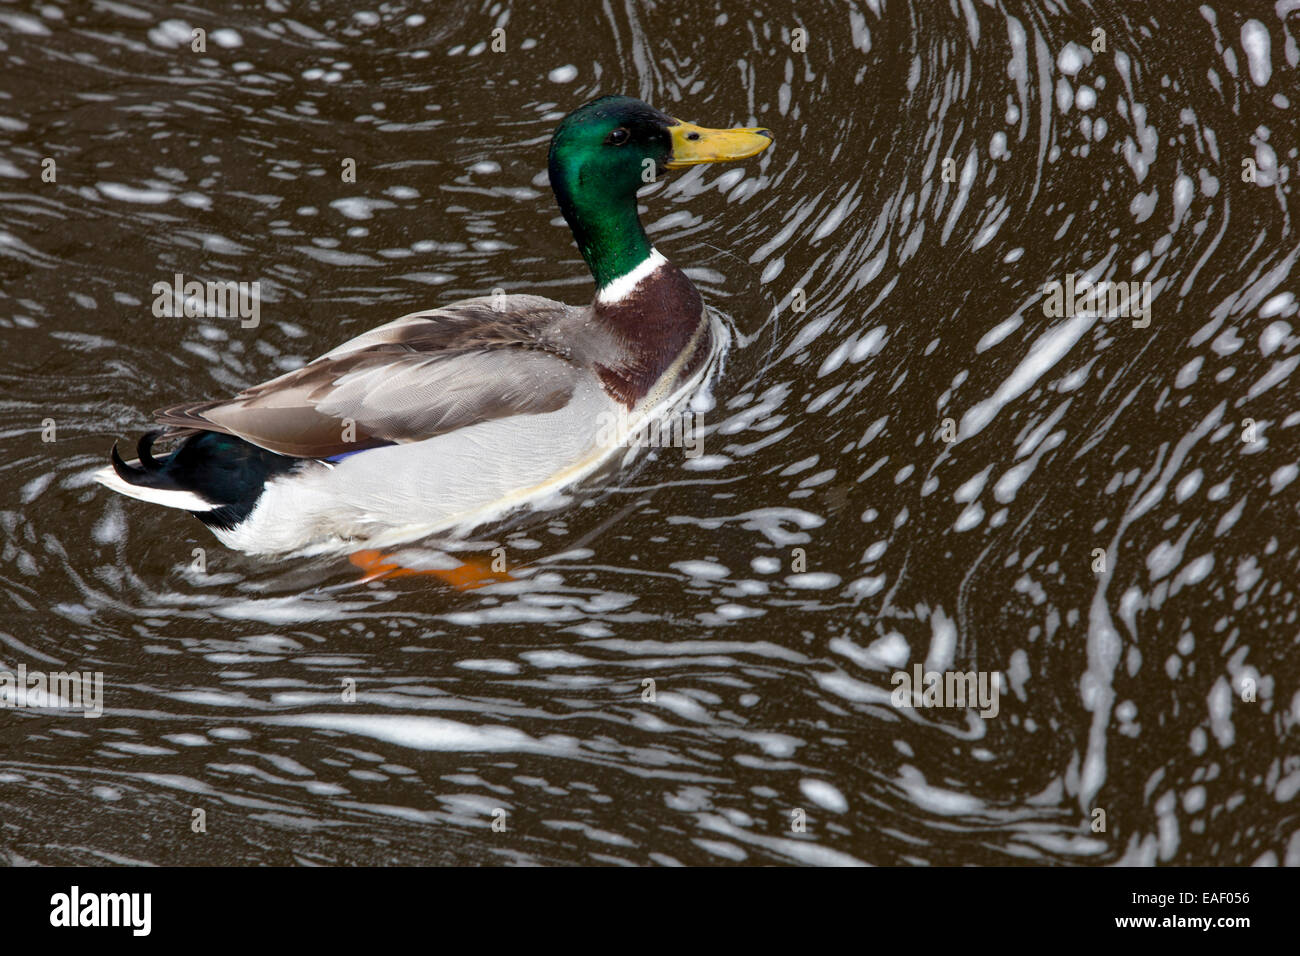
(620, 288)
(451, 484)
(184, 500)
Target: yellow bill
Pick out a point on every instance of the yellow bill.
(698, 144)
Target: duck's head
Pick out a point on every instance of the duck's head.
(606, 150)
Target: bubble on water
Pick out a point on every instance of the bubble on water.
(701, 569)
(230, 733)
(359, 207)
(1280, 304)
(813, 580)
(824, 795)
(1072, 59)
(1255, 41)
(227, 38)
(1283, 477)
(124, 193)
(1273, 337)
(171, 34)
(936, 799)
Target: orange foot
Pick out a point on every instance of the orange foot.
(467, 577)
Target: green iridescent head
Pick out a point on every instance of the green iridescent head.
(606, 150)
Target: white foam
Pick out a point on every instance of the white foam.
(1282, 477)
(1072, 58)
(702, 569)
(813, 580)
(1281, 303)
(429, 733)
(124, 193)
(824, 795)
(1047, 350)
(1255, 41)
(1273, 337)
(936, 799)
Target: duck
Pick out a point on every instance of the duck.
(445, 420)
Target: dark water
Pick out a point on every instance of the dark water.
(1163, 690)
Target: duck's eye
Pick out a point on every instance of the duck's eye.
(618, 137)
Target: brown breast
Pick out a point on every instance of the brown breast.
(649, 329)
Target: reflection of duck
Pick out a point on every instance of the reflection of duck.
(443, 418)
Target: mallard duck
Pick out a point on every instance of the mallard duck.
(446, 419)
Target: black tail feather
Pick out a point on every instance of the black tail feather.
(225, 470)
(151, 474)
(143, 449)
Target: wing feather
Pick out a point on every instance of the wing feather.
(422, 375)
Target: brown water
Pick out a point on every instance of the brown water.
(1163, 690)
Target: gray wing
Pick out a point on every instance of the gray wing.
(419, 376)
